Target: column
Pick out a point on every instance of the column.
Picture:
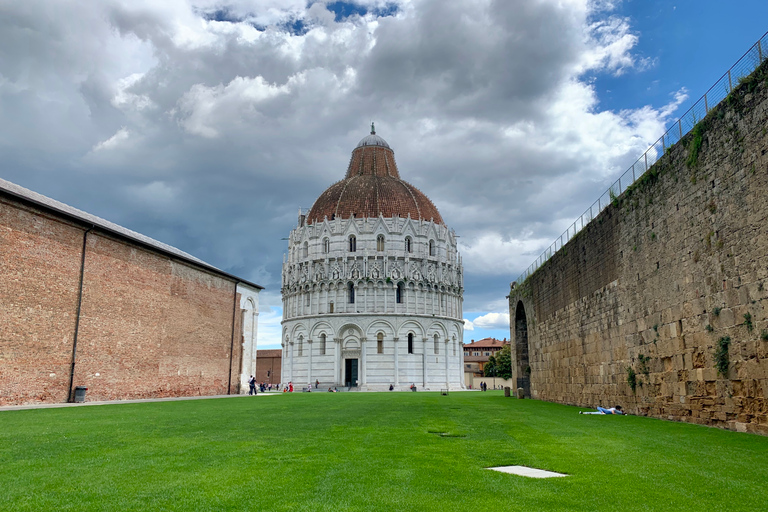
(397, 366)
(290, 368)
(336, 360)
(309, 368)
(424, 362)
(447, 356)
(363, 379)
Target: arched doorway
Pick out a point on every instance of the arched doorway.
(521, 350)
(351, 358)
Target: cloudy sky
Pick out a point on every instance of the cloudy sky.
(207, 124)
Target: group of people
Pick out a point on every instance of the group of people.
(267, 386)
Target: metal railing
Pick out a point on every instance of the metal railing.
(717, 93)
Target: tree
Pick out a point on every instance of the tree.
(504, 362)
(490, 367)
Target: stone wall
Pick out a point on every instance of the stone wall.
(150, 325)
(673, 272)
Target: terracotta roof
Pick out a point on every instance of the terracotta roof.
(372, 187)
(486, 343)
(269, 353)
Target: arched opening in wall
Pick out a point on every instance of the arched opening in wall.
(431, 247)
(322, 344)
(326, 246)
(521, 349)
(351, 292)
(399, 293)
(301, 346)
(352, 243)
(408, 245)
(380, 243)
(330, 307)
(437, 344)
(410, 343)
(305, 250)
(380, 343)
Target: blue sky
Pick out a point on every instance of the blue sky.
(207, 124)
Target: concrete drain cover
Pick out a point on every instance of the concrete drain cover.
(526, 471)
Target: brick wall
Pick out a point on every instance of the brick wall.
(656, 281)
(39, 276)
(150, 326)
(269, 361)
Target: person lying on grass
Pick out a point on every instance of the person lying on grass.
(602, 410)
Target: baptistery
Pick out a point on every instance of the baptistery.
(372, 285)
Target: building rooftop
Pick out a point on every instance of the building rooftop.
(373, 187)
(486, 343)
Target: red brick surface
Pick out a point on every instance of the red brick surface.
(268, 361)
(39, 273)
(151, 325)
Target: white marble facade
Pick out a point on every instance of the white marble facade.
(249, 310)
(373, 302)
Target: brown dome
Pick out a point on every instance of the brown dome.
(372, 187)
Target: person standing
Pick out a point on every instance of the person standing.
(252, 385)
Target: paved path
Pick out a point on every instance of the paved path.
(112, 402)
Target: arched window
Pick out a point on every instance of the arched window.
(410, 343)
(322, 344)
(380, 243)
(437, 344)
(408, 247)
(326, 246)
(454, 347)
(305, 250)
(330, 307)
(399, 293)
(301, 345)
(380, 343)
(306, 300)
(352, 243)
(351, 288)
(431, 247)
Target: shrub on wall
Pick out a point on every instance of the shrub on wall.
(721, 355)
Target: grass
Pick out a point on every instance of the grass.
(374, 451)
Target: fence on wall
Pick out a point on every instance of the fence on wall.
(717, 93)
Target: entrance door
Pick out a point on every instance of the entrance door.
(521, 348)
(350, 372)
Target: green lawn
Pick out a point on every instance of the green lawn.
(369, 451)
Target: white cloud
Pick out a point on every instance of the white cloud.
(229, 126)
(114, 141)
(493, 321)
(468, 325)
(270, 329)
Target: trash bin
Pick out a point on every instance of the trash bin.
(80, 394)
(506, 391)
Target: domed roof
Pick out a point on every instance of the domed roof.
(372, 187)
(372, 140)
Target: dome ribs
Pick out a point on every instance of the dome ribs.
(372, 187)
